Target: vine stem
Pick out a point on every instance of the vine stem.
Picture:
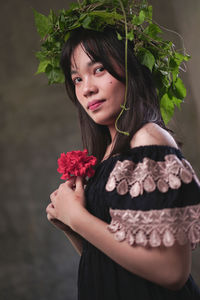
(126, 74)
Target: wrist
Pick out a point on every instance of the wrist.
(78, 219)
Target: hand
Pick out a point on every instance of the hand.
(68, 203)
(58, 224)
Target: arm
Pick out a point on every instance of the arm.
(75, 239)
(168, 267)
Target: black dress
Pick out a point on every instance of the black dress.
(149, 196)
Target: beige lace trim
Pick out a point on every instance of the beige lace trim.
(149, 175)
(157, 227)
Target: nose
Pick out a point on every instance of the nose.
(89, 88)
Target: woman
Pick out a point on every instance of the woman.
(132, 225)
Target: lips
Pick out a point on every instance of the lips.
(92, 105)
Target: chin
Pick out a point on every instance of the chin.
(103, 121)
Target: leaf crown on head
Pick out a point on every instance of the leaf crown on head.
(132, 21)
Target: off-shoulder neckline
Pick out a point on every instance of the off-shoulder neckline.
(142, 148)
(153, 146)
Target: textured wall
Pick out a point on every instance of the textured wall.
(36, 261)
(183, 17)
(37, 123)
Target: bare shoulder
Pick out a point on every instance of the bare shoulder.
(152, 134)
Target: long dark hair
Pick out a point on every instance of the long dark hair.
(142, 101)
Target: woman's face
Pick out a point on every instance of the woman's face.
(98, 91)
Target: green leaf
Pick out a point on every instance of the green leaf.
(142, 16)
(177, 102)
(74, 5)
(146, 58)
(175, 74)
(119, 36)
(42, 23)
(41, 55)
(174, 68)
(42, 66)
(152, 31)
(187, 57)
(75, 25)
(87, 22)
(179, 57)
(138, 20)
(108, 17)
(67, 35)
(179, 89)
(97, 20)
(149, 14)
(55, 76)
(165, 81)
(130, 35)
(52, 16)
(167, 108)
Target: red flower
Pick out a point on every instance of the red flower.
(76, 163)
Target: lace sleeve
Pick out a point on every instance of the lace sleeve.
(163, 202)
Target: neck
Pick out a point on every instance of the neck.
(113, 132)
(110, 147)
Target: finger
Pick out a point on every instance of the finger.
(64, 186)
(68, 184)
(52, 219)
(51, 205)
(53, 200)
(49, 217)
(79, 183)
(51, 210)
(71, 182)
(54, 194)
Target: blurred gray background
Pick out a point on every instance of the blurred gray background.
(37, 124)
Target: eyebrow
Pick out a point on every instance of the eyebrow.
(89, 64)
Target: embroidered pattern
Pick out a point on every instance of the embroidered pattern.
(149, 175)
(157, 227)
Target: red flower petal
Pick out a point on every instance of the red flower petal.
(76, 163)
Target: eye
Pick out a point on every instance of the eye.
(99, 69)
(76, 80)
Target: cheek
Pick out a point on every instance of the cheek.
(76, 92)
(119, 88)
(78, 95)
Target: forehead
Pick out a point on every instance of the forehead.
(79, 57)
